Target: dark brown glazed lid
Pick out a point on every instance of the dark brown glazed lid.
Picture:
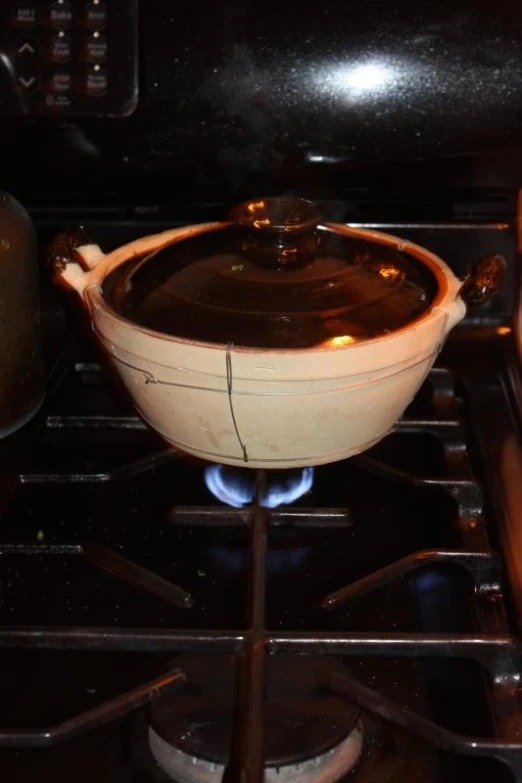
(273, 278)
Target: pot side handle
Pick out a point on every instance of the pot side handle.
(71, 256)
(483, 282)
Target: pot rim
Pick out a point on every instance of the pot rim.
(447, 293)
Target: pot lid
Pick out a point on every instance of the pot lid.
(273, 277)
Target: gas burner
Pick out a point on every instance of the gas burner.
(236, 486)
(310, 733)
(329, 767)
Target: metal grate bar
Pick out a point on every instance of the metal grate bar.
(106, 639)
(214, 516)
(508, 752)
(247, 752)
(483, 567)
(97, 716)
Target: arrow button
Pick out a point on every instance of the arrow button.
(26, 47)
(27, 83)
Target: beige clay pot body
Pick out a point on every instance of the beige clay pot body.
(261, 408)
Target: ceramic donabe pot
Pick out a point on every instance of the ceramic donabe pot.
(228, 382)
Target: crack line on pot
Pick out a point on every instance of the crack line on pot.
(229, 390)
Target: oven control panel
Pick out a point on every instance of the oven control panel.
(68, 58)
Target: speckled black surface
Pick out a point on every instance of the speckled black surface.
(237, 96)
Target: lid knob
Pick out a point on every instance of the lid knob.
(284, 215)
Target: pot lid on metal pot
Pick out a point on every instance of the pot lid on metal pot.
(273, 277)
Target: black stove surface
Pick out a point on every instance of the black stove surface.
(117, 562)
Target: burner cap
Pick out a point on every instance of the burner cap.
(303, 720)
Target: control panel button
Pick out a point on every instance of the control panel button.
(28, 83)
(60, 48)
(58, 101)
(61, 82)
(96, 48)
(25, 47)
(96, 15)
(27, 75)
(96, 81)
(61, 14)
(26, 15)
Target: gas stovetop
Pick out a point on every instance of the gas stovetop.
(165, 619)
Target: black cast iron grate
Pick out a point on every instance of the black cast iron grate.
(492, 647)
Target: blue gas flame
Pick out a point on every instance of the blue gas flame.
(236, 487)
